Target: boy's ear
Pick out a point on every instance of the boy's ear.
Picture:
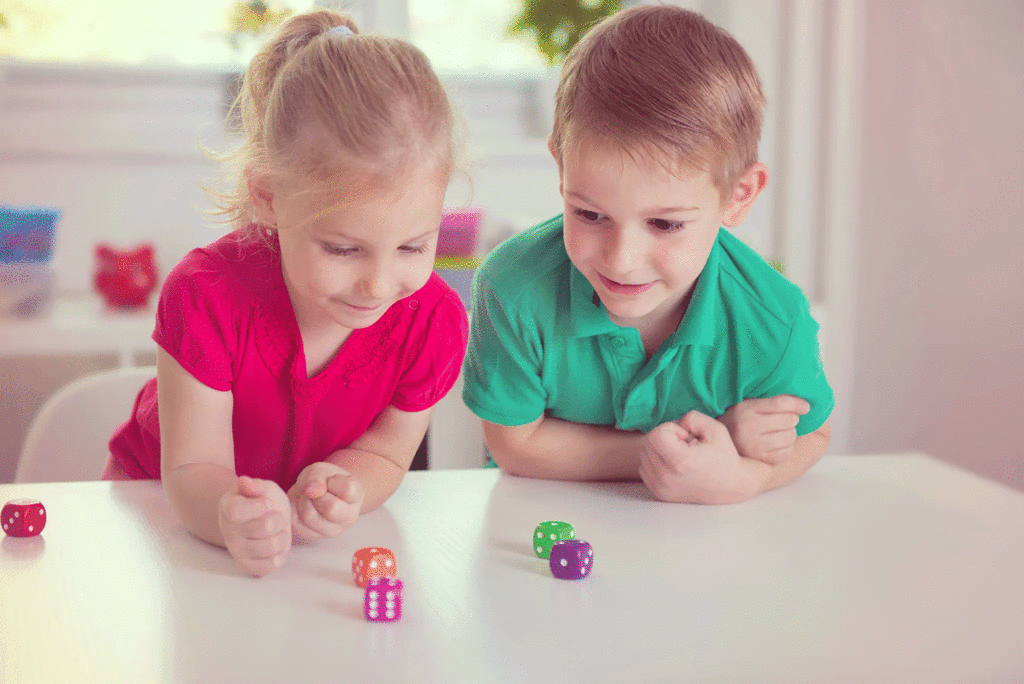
(261, 193)
(750, 185)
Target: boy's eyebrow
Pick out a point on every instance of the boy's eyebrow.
(657, 210)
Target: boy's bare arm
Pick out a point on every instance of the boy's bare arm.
(556, 449)
(807, 451)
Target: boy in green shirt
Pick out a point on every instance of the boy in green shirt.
(634, 336)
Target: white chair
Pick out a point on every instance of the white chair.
(67, 440)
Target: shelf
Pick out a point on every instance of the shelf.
(79, 324)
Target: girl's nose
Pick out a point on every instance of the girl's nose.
(377, 281)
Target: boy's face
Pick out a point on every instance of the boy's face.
(641, 234)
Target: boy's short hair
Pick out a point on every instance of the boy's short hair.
(665, 82)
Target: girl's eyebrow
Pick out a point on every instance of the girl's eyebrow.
(329, 235)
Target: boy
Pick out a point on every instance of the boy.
(634, 336)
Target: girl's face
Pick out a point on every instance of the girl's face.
(350, 251)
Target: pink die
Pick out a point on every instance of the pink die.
(383, 600)
(371, 562)
(23, 517)
(571, 559)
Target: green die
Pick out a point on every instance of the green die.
(547, 533)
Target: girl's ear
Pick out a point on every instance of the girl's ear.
(261, 193)
(744, 194)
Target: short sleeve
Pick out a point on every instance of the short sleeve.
(800, 373)
(195, 320)
(502, 380)
(435, 368)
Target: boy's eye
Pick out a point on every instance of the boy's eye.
(666, 226)
(588, 216)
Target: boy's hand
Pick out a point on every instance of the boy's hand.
(325, 501)
(765, 429)
(693, 460)
(255, 520)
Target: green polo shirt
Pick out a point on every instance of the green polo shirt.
(541, 342)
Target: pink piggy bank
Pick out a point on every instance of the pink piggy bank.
(125, 278)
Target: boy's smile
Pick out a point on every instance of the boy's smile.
(641, 233)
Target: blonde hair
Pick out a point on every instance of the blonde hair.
(665, 82)
(325, 104)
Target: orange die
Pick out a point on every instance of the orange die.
(371, 563)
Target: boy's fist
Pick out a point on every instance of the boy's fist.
(325, 501)
(693, 460)
(765, 429)
(255, 520)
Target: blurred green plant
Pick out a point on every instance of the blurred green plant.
(557, 25)
(252, 18)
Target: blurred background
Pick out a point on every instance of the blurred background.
(893, 133)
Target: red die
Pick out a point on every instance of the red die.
(372, 562)
(23, 517)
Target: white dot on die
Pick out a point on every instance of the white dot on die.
(373, 594)
(583, 569)
(390, 614)
(540, 535)
(552, 537)
(16, 514)
(390, 596)
(373, 564)
(388, 563)
(586, 561)
(564, 562)
(29, 528)
(373, 613)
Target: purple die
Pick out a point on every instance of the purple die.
(571, 559)
(383, 600)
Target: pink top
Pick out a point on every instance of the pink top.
(225, 316)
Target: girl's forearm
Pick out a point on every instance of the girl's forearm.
(378, 474)
(194, 491)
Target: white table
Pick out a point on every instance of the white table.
(890, 569)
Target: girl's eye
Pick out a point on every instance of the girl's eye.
(338, 250)
(588, 216)
(409, 249)
(665, 226)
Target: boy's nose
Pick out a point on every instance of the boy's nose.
(623, 252)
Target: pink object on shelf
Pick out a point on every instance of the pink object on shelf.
(459, 230)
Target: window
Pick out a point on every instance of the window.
(471, 36)
(184, 32)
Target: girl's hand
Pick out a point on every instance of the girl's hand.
(325, 501)
(765, 429)
(255, 519)
(693, 460)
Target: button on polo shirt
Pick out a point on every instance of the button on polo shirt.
(541, 342)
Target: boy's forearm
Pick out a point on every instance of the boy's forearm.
(194, 491)
(379, 476)
(562, 450)
(807, 451)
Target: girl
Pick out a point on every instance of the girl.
(301, 355)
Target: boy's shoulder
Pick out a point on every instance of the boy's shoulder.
(744, 273)
(532, 261)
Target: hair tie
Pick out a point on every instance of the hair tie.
(342, 30)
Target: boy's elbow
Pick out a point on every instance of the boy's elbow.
(509, 446)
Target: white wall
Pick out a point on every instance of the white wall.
(940, 334)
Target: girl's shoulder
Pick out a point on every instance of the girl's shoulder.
(239, 262)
